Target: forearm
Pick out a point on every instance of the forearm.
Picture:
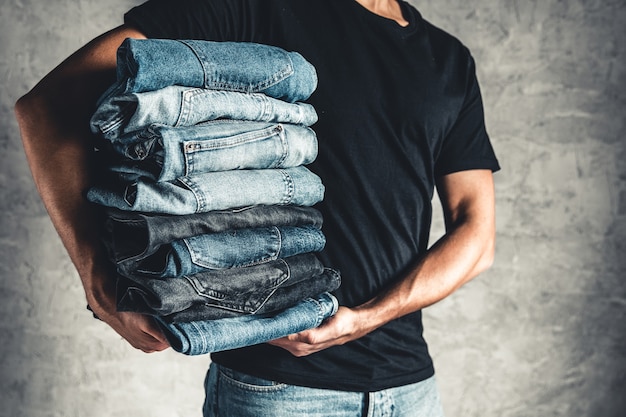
(460, 255)
(466, 250)
(54, 125)
(60, 164)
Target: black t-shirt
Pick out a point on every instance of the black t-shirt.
(398, 106)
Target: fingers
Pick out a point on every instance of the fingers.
(139, 330)
(336, 330)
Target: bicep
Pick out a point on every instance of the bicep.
(468, 196)
(83, 76)
(54, 116)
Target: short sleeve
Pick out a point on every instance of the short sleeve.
(190, 19)
(467, 144)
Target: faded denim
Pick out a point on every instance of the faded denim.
(132, 235)
(151, 64)
(230, 249)
(200, 337)
(213, 191)
(283, 297)
(164, 153)
(214, 294)
(239, 290)
(178, 106)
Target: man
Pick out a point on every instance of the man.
(399, 112)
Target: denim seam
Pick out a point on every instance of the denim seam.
(202, 336)
(280, 131)
(123, 115)
(186, 106)
(202, 60)
(277, 77)
(280, 241)
(200, 197)
(194, 146)
(223, 304)
(275, 253)
(320, 312)
(289, 187)
(276, 386)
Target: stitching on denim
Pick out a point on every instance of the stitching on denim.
(200, 198)
(194, 146)
(273, 79)
(202, 59)
(289, 187)
(275, 386)
(282, 136)
(217, 300)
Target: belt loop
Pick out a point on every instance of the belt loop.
(367, 403)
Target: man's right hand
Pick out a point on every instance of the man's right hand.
(138, 329)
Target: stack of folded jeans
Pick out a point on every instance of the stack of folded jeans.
(208, 201)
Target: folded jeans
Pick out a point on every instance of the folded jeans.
(201, 337)
(213, 191)
(131, 236)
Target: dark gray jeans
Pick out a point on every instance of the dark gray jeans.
(233, 292)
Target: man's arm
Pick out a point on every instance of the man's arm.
(54, 124)
(466, 250)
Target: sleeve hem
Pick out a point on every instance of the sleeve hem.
(491, 164)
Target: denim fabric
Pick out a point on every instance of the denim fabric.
(214, 191)
(179, 106)
(214, 294)
(163, 153)
(200, 337)
(230, 249)
(130, 235)
(239, 290)
(151, 64)
(232, 393)
(285, 296)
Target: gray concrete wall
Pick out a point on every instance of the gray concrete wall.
(542, 333)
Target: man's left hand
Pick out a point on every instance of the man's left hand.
(344, 326)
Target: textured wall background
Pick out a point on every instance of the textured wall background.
(542, 333)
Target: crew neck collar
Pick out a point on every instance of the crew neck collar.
(410, 14)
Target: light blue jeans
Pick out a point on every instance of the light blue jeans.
(177, 106)
(230, 249)
(230, 393)
(164, 153)
(151, 64)
(201, 337)
(214, 191)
